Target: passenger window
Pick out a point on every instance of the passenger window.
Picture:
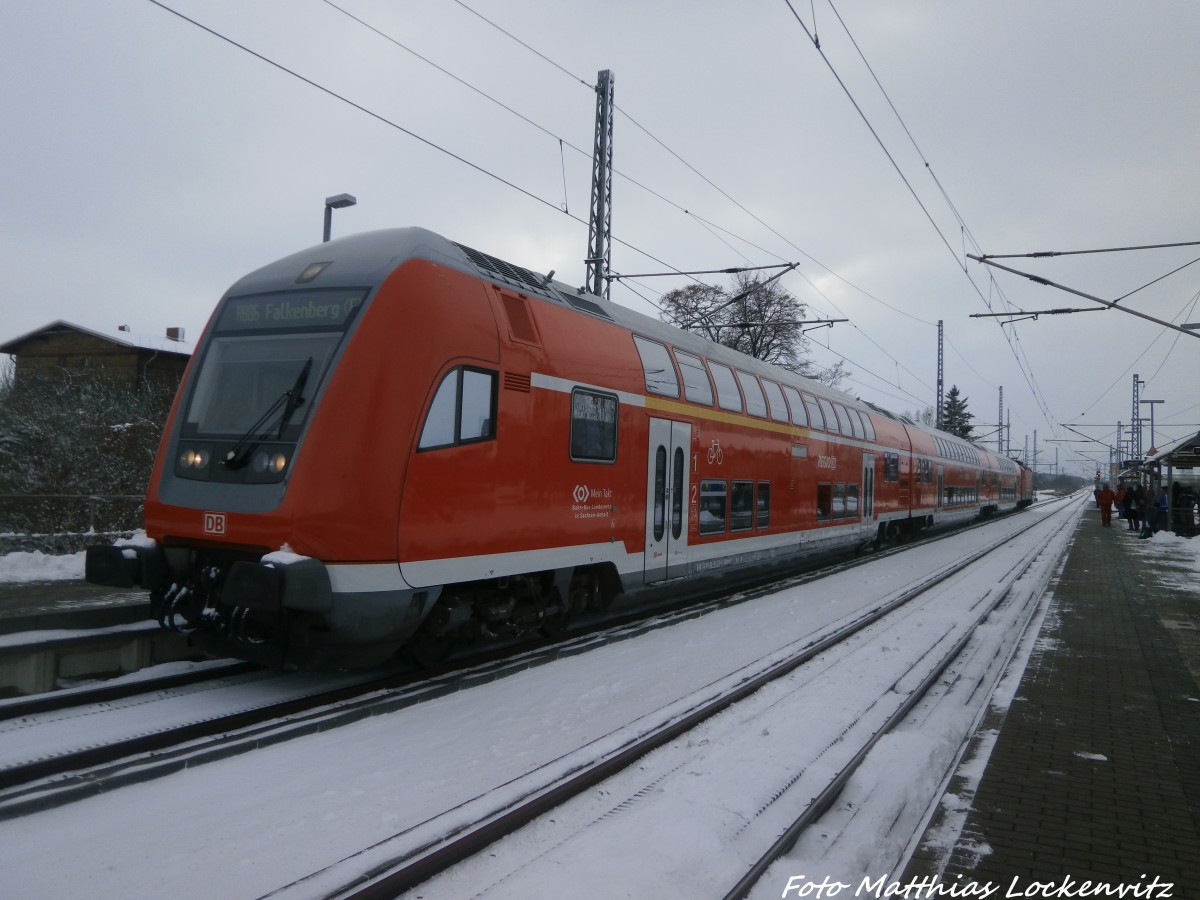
(593, 426)
(778, 406)
(475, 420)
(727, 389)
(463, 410)
(696, 386)
(439, 424)
(824, 502)
(658, 368)
(712, 507)
(660, 493)
(764, 504)
(831, 422)
(843, 417)
(867, 425)
(852, 501)
(856, 424)
(814, 412)
(741, 513)
(891, 467)
(799, 414)
(756, 404)
(839, 501)
(677, 469)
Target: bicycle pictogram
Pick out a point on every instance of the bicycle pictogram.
(715, 453)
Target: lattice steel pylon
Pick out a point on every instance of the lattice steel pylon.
(1000, 427)
(940, 383)
(599, 255)
(1135, 426)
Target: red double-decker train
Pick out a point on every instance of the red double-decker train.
(392, 440)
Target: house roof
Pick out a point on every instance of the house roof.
(114, 335)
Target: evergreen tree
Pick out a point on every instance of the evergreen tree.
(955, 418)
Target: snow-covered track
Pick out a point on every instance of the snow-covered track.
(118, 689)
(62, 762)
(48, 761)
(425, 849)
(929, 677)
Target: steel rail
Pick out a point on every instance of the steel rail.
(406, 871)
(64, 777)
(824, 801)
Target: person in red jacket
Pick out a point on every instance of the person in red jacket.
(1106, 499)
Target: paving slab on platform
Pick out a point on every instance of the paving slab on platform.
(1095, 770)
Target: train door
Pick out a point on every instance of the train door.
(941, 484)
(868, 490)
(666, 497)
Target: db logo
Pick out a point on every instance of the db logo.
(214, 523)
(581, 493)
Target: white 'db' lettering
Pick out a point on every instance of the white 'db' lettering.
(214, 523)
(826, 462)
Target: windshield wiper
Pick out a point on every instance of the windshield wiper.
(293, 398)
(239, 454)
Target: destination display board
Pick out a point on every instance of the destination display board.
(287, 309)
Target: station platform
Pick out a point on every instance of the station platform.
(39, 605)
(1092, 773)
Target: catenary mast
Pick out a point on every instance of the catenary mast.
(599, 255)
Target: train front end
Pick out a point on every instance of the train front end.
(271, 510)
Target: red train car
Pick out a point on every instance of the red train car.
(394, 440)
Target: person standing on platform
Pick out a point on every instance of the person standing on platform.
(1161, 506)
(1106, 498)
(1135, 506)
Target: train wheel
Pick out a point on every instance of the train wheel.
(428, 651)
(554, 616)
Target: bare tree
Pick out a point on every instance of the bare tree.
(756, 317)
(924, 417)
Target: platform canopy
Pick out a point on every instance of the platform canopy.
(1181, 454)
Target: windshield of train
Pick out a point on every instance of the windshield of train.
(261, 348)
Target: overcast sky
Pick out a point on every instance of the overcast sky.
(148, 164)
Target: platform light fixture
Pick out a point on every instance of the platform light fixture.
(338, 201)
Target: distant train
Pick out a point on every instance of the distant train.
(392, 441)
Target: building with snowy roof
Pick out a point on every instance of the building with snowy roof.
(63, 348)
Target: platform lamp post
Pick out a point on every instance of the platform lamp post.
(340, 201)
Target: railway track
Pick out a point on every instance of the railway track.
(411, 858)
(187, 708)
(60, 777)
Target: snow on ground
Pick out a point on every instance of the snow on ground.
(34, 565)
(1176, 558)
(244, 826)
(247, 825)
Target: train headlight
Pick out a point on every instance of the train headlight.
(194, 459)
(269, 462)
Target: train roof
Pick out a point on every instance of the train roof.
(368, 258)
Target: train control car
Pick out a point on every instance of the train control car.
(392, 441)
